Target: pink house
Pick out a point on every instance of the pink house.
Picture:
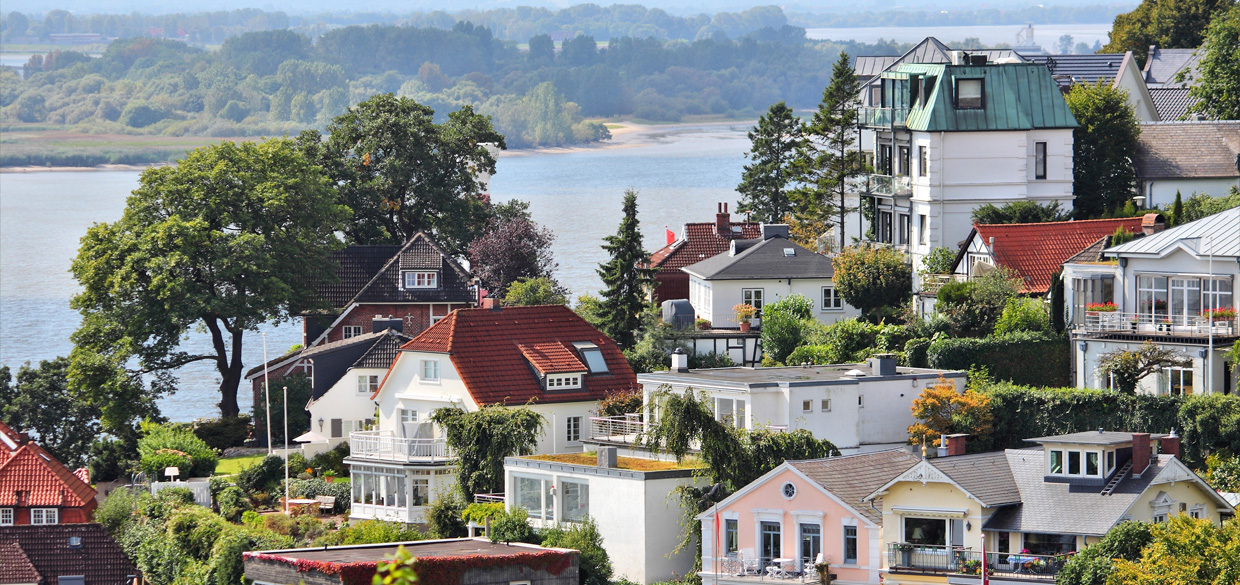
(780, 524)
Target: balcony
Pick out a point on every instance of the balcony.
(886, 185)
(1102, 323)
(489, 498)
(966, 563)
(931, 283)
(386, 446)
(625, 429)
(871, 117)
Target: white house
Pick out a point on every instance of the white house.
(1187, 158)
(762, 271)
(544, 356)
(857, 407)
(948, 138)
(631, 500)
(1163, 287)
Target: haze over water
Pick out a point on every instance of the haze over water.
(680, 172)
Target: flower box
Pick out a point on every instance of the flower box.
(1101, 307)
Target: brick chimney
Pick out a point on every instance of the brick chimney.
(1152, 223)
(1140, 453)
(956, 444)
(723, 221)
(1170, 445)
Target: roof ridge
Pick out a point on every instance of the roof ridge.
(1066, 222)
(444, 256)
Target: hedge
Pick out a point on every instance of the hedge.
(1205, 423)
(165, 446)
(1035, 359)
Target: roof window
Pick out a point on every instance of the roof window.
(592, 356)
(969, 94)
(790, 252)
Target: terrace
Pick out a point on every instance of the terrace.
(964, 565)
(386, 446)
(1107, 323)
(872, 117)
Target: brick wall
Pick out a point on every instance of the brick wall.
(672, 284)
(21, 516)
(415, 318)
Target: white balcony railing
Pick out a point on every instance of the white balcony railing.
(621, 429)
(386, 446)
(1114, 322)
(931, 283)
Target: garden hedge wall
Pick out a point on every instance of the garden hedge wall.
(1035, 359)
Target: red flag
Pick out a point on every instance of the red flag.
(716, 549)
(671, 238)
(985, 571)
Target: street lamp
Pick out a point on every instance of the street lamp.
(285, 449)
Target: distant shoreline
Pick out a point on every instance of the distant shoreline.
(625, 134)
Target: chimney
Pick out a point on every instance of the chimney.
(942, 446)
(956, 444)
(774, 230)
(883, 364)
(1170, 445)
(381, 324)
(1152, 223)
(723, 221)
(680, 361)
(607, 457)
(1140, 453)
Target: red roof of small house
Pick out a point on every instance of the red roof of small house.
(1036, 251)
(491, 350)
(42, 480)
(58, 550)
(701, 241)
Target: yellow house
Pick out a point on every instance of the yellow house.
(1029, 509)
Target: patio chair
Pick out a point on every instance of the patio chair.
(810, 571)
(326, 504)
(750, 564)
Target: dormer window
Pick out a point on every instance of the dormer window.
(413, 279)
(969, 94)
(563, 381)
(1083, 463)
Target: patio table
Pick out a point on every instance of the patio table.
(776, 568)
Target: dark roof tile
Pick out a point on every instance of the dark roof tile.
(852, 477)
(764, 259)
(1186, 150)
(98, 558)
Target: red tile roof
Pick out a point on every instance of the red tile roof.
(47, 549)
(485, 346)
(1036, 251)
(701, 241)
(552, 358)
(15, 567)
(25, 467)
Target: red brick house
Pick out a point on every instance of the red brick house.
(698, 241)
(35, 488)
(64, 554)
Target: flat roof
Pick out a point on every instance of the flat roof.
(1093, 438)
(456, 547)
(590, 459)
(789, 374)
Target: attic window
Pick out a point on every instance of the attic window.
(592, 356)
(563, 381)
(419, 279)
(790, 252)
(969, 94)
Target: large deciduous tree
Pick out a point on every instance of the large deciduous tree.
(39, 401)
(401, 173)
(1169, 24)
(828, 156)
(1129, 367)
(1103, 147)
(483, 438)
(872, 279)
(764, 184)
(231, 237)
(512, 247)
(1216, 83)
(941, 410)
(625, 277)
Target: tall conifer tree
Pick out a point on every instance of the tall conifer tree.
(828, 157)
(764, 184)
(625, 276)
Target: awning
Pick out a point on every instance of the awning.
(930, 512)
(310, 437)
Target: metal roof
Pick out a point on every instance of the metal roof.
(1081, 68)
(1171, 103)
(1222, 230)
(1016, 96)
(1162, 66)
(763, 259)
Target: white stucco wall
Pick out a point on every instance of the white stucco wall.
(1161, 193)
(726, 294)
(343, 401)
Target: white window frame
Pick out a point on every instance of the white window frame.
(753, 297)
(572, 429)
(561, 498)
(741, 421)
(923, 229)
(1173, 374)
(349, 331)
(824, 405)
(564, 381)
(831, 300)
(423, 371)
(1039, 161)
(367, 384)
(408, 415)
(44, 516)
(7, 516)
(419, 279)
(807, 406)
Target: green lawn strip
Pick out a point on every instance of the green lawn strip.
(234, 465)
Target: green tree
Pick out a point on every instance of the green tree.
(483, 438)
(39, 401)
(1058, 316)
(1023, 314)
(625, 277)
(513, 247)
(1092, 565)
(783, 326)
(1020, 212)
(594, 564)
(1129, 367)
(1216, 86)
(938, 261)
(402, 173)
(542, 50)
(872, 279)
(1184, 551)
(1177, 209)
(299, 393)
(1103, 148)
(1169, 24)
(828, 156)
(536, 291)
(233, 236)
(1201, 205)
(775, 142)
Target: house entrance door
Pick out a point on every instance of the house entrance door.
(1185, 299)
(770, 542)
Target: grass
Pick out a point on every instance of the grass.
(234, 465)
(631, 463)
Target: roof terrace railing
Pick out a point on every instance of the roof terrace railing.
(1154, 324)
(386, 446)
(905, 557)
(931, 283)
(617, 429)
(873, 117)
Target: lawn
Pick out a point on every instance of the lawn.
(234, 465)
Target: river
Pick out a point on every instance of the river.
(1046, 35)
(680, 172)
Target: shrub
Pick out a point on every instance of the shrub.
(369, 532)
(513, 526)
(972, 307)
(1023, 314)
(222, 433)
(251, 518)
(195, 529)
(872, 279)
(232, 503)
(332, 460)
(446, 518)
(1021, 358)
(279, 523)
(620, 403)
(595, 565)
(783, 323)
(262, 477)
(478, 513)
(938, 261)
(140, 114)
(118, 509)
(164, 446)
(915, 352)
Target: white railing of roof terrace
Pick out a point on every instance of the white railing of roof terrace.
(1115, 322)
(931, 283)
(618, 429)
(386, 446)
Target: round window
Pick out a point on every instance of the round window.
(790, 490)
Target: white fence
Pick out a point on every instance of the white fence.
(200, 489)
(386, 446)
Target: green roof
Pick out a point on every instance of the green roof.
(1016, 96)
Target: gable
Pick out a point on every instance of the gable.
(419, 255)
(1036, 251)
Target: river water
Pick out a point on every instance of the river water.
(680, 172)
(1046, 35)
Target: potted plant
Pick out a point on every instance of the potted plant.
(702, 324)
(744, 312)
(1101, 307)
(1223, 313)
(823, 570)
(329, 476)
(906, 554)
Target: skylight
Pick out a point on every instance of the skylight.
(790, 252)
(593, 356)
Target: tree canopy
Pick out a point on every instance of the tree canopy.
(764, 184)
(1169, 24)
(483, 438)
(1216, 84)
(1103, 148)
(872, 279)
(625, 277)
(234, 236)
(941, 410)
(1129, 367)
(1020, 212)
(39, 401)
(512, 247)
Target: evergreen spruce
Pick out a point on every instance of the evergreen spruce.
(1177, 209)
(763, 187)
(625, 277)
(1057, 303)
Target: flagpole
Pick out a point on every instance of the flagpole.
(285, 449)
(267, 392)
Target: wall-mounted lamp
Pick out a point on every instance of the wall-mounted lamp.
(1082, 345)
(320, 424)
(968, 526)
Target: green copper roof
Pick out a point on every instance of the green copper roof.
(1016, 96)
